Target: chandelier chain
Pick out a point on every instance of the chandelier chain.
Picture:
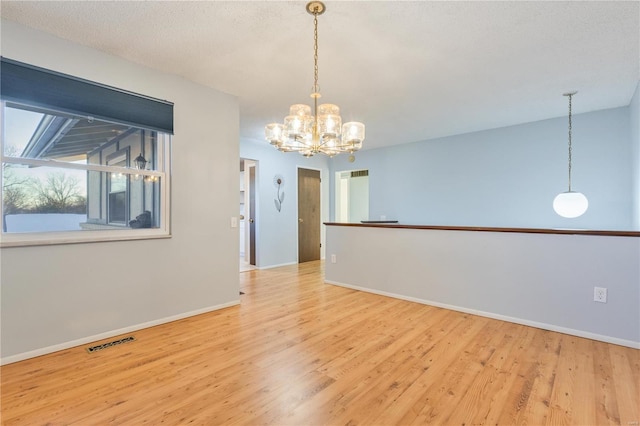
(316, 89)
(570, 96)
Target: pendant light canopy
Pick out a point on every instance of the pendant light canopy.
(570, 204)
(321, 130)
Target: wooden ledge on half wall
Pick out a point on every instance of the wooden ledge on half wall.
(394, 224)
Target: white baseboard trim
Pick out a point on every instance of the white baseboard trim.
(277, 266)
(89, 339)
(544, 326)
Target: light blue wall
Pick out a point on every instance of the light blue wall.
(277, 232)
(505, 177)
(634, 117)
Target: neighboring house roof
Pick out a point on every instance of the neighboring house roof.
(58, 137)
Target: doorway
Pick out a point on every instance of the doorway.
(309, 215)
(352, 196)
(248, 213)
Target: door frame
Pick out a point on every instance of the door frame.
(249, 242)
(322, 215)
(340, 203)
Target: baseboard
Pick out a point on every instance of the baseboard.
(544, 326)
(277, 266)
(89, 339)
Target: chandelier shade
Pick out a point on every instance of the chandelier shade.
(570, 204)
(318, 130)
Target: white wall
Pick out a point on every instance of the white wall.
(505, 177)
(277, 232)
(634, 117)
(542, 280)
(56, 296)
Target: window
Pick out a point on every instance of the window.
(118, 183)
(70, 175)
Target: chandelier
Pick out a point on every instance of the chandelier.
(570, 204)
(320, 132)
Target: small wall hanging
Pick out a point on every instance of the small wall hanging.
(278, 182)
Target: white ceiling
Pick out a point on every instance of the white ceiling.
(410, 70)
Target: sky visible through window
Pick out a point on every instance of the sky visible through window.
(19, 126)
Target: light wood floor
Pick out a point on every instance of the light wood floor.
(301, 352)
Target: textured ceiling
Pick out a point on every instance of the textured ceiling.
(410, 70)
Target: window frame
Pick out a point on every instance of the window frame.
(163, 150)
(121, 156)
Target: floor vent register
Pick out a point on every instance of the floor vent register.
(97, 348)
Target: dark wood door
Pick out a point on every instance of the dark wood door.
(308, 215)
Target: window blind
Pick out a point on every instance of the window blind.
(39, 87)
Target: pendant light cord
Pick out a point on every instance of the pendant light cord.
(570, 95)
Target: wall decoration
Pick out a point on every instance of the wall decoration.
(278, 182)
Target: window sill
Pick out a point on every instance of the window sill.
(79, 237)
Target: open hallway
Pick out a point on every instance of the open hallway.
(301, 352)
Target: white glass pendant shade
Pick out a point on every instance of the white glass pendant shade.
(300, 109)
(299, 121)
(329, 121)
(353, 133)
(294, 126)
(329, 126)
(570, 204)
(326, 109)
(274, 133)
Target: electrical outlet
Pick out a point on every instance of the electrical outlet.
(333, 258)
(600, 294)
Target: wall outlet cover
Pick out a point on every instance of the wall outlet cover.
(600, 294)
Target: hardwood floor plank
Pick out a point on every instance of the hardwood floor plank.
(626, 363)
(297, 351)
(536, 377)
(605, 393)
(495, 381)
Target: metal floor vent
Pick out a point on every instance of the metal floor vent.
(110, 344)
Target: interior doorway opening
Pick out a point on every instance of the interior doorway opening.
(352, 196)
(248, 214)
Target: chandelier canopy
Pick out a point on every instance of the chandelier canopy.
(321, 131)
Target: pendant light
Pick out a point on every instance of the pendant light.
(570, 204)
(319, 130)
